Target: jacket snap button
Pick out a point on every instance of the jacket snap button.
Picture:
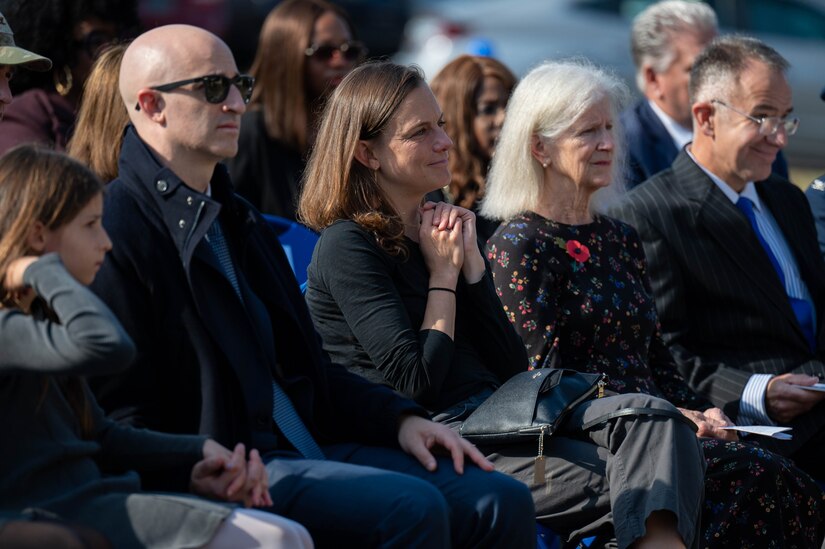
(181, 223)
(161, 186)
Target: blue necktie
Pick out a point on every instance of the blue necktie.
(283, 412)
(746, 207)
(803, 309)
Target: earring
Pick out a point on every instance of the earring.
(544, 164)
(63, 88)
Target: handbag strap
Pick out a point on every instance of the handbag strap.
(639, 412)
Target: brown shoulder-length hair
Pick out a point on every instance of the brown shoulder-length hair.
(279, 69)
(37, 184)
(456, 88)
(98, 132)
(336, 185)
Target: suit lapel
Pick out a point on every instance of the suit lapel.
(724, 223)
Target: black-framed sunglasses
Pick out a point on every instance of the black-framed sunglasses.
(351, 51)
(215, 86)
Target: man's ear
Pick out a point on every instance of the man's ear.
(539, 150)
(652, 87)
(151, 104)
(36, 239)
(364, 155)
(703, 117)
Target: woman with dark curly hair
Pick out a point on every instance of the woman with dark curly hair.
(473, 91)
(305, 49)
(72, 33)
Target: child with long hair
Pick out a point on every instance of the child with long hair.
(60, 455)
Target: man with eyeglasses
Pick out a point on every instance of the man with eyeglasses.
(665, 39)
(732, 253)
(226, 345)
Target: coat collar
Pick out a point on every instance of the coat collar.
(185, 212)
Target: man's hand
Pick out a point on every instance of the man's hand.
(785, 399)
(710, 423)
(226, 475)
(418, 436)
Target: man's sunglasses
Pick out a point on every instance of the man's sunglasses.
(215, 86)
(351, 51)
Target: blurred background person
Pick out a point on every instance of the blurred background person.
(12, 58)
(665, 39)
(71, 33)
(472, 92)
(305, 49)
(574, 285)
(102, 117)
(816, 198)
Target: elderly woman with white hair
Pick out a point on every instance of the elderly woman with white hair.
(574, 284)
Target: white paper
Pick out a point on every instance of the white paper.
(780, 433)
(815, 387)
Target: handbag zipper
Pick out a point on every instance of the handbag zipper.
(538, 467)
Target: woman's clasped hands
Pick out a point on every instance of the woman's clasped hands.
(449, 244)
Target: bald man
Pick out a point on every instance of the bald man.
(226, 345)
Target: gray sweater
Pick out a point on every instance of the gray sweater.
(44, 462)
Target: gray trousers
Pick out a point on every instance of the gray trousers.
(606, 481)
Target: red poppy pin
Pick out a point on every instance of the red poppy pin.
(577, 251)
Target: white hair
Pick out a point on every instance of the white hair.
(656, 28)
(547, 102)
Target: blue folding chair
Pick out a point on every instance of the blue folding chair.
(547, 539)
(298, 243)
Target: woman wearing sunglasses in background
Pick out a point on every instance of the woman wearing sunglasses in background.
(72, 33)
(305, 49)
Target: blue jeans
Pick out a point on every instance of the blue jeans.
(381, 497)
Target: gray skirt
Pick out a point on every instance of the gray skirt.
(151, 520)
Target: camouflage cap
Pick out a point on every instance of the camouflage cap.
(12, 55)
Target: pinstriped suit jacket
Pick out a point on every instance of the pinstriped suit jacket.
(723, 310)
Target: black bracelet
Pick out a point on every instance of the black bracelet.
(440, 289)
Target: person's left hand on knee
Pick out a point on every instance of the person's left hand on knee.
(418, 437)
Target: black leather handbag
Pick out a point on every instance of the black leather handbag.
(530, 405)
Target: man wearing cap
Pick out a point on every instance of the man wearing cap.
(816, 198)
(11, 57)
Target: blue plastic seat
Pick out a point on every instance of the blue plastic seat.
(298, 243)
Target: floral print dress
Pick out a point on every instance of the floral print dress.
(582, 292)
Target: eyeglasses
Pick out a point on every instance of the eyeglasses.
(349, 50)
(215, 86)
(768, 125)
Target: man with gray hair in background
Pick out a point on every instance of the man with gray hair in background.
(665, 39)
